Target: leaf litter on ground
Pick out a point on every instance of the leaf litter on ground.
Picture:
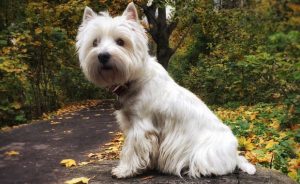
(80, 180)
(12, 153)
(68, 162)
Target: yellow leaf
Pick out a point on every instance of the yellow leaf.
(275, 123)
(270, 144)
(37, 43)
(12, 153)
(252, 117)
(38, 30)
(282, 135)
(113, 148)
(293, 174)
(247, 144)
(251, 156)
(294, 163)
(80, 180)
(16, 105)
(68, 162)
(267, 157)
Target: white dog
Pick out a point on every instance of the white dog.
(166, 127)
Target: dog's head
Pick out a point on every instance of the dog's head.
(111, 50)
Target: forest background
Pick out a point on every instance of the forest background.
(242, 57)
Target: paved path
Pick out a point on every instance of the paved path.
(43, 145)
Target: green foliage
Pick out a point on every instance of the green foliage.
(261, 138)
(242, 57)
(38, 63)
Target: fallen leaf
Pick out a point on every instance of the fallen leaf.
(246, 143)
(275, 123)
(252, 117)
(80, 180)
(293, 174)
(92, 155)
(68, 162)
(113, 148)
(294, 163)
(147, 177)
(267, 157)
(38, 30)
(252, 157)
(12, 153)
(270, 144)
(83, 163)
(54, 122)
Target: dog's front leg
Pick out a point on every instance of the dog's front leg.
(140, 149)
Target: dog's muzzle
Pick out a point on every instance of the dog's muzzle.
(104, 60)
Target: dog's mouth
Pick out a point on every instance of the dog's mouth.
(106, 67)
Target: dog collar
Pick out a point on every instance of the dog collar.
(119, 90)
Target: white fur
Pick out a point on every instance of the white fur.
(166, 126)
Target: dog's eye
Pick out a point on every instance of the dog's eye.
(95, 43)
(120, 42)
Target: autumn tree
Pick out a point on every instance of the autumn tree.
(161, 19)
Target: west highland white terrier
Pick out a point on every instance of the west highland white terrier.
(166, 127)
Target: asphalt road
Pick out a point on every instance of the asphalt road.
(42, 145)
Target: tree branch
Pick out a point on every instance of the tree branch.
(182, 38)
(151, 19)
(172, 26)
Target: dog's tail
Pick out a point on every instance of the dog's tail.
(245, 166)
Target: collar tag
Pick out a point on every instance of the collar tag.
(119, 90)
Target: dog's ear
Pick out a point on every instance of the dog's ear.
(131, 13)
(103, 13)
(88, 14)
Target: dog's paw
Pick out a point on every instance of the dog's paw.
(122, 172)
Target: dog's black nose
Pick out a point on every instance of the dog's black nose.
(104, 57)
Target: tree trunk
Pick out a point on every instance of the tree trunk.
(160, 30)
(164, 54)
